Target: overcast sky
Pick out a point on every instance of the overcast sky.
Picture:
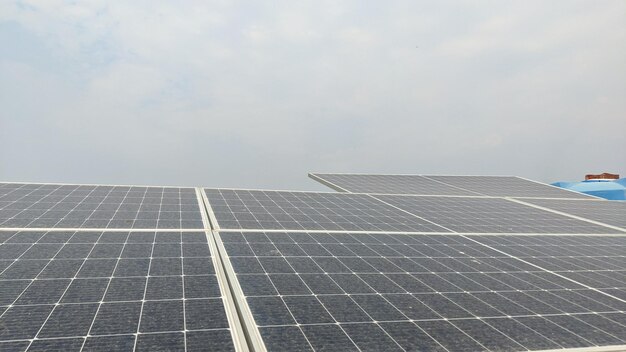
(253, 95)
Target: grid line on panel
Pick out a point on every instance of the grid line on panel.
(538, 292)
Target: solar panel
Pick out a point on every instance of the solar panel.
(283, 210)
(102, 290)
(348, 291)
(497, 186)
(83, 206)
(389, 184)
(490, 215)
(607, 212)
(507, 186)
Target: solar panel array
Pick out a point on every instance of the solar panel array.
(407, 263)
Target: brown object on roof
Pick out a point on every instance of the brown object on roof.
(602, 176)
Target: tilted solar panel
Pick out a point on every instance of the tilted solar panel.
(86, 206)
(507, 186)
(389, 184)
(497, 186)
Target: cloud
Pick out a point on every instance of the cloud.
(227, 94)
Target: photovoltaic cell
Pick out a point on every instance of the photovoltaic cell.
(281, 210)
(342, 291)
(490, 215)
(82, 206)
(608, 212)
(109, 291)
